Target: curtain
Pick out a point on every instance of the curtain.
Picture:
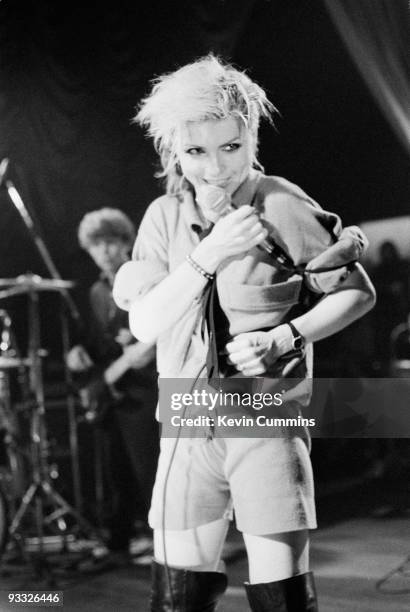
(377, 34)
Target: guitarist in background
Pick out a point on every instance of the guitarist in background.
(116, 376)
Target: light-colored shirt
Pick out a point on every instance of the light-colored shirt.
(253, 292)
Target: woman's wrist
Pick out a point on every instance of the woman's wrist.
(205, 257)
(282, 338)
(195, 265)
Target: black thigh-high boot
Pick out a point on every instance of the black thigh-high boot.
(191, 591)
(296, 594)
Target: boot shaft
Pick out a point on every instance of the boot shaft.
(295, 594)
(179, 590)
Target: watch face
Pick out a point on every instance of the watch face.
(298, 342)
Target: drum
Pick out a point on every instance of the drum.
(12, 451)
(13, 374)
(9, 363)
(13, 470)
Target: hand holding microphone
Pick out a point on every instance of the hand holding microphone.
(235, 231)
(215, 203)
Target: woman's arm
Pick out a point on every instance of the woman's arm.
(253, 352)
(337, 310)
(168, 301)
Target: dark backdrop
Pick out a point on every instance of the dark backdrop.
(70, 77)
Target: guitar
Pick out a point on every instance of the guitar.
(98, 394)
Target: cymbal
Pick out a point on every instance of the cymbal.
(7, 362)
(33, 282)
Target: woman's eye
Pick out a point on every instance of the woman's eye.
(233, 146)
(194, 151)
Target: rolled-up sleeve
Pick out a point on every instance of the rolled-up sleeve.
(334, 247)
(349, 247)
(149, 263)
(314, 237)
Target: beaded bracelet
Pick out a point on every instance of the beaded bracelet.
(198, 268)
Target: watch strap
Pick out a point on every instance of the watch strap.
(298, 339)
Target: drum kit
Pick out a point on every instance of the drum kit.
(27, 496)
(26, 490)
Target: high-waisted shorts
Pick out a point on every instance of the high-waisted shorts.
(267, 482)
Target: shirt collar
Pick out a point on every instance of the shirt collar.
(104, 278)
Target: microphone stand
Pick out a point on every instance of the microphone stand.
(41, 247)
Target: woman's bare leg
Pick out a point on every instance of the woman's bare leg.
(197, 549)
(277, 556)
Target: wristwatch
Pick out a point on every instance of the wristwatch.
(298, 342)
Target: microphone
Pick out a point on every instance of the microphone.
(215, 203)
(3, 169)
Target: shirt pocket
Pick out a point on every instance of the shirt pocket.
(252, 307)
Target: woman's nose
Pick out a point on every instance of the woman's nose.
(215, 165)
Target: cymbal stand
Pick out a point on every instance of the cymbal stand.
(71, 411)
(40, 490)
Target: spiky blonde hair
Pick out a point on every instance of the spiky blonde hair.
(206, 89)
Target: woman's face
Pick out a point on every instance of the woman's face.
(216, 152)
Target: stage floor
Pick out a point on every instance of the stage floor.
(360, 556)
(349, 559)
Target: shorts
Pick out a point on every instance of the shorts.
(268, 482)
